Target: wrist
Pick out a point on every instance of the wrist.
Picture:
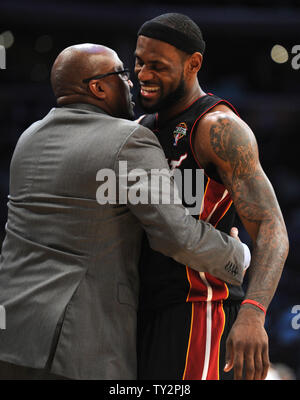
(252, 311)
(255, 304)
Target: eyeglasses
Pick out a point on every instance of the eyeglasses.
(124, 74)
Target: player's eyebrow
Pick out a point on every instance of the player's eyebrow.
(151, 61)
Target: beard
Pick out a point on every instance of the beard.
(164, 102)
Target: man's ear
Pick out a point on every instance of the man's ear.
(96, 89)
(195, 62)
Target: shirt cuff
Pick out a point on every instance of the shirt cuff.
(247, 256)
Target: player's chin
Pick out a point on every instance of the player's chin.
(149, 105)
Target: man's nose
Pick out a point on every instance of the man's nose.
(144, 74)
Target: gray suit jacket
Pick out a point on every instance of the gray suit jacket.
(68, 273)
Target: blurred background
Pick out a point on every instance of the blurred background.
(252, 59)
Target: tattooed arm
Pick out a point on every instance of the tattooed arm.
(224, 140)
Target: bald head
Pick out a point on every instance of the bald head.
(82, 62)
(76, 63)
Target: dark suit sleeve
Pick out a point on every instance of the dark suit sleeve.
(139, 164)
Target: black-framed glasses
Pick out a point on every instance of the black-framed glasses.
(124, 74)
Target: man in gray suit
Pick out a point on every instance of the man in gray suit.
(68, 273)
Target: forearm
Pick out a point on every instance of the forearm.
(269, 253)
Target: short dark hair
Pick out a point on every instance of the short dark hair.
(181, 23)
(177, 29)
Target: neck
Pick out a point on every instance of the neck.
(191, 96)
(71, 99)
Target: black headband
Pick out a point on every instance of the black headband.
(170, 35)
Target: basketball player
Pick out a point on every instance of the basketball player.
(193, 325)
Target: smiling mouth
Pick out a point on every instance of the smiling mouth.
(149, 91)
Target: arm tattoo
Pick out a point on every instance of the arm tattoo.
(255, 202)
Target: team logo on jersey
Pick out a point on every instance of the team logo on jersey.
(179, 132)
(176, 163)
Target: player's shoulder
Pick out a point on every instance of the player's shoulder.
(220, 113)
(223, 132)
(223, 119)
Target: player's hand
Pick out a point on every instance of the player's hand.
(247, 346)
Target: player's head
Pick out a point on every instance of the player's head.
(168, 57)
(88, 73)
